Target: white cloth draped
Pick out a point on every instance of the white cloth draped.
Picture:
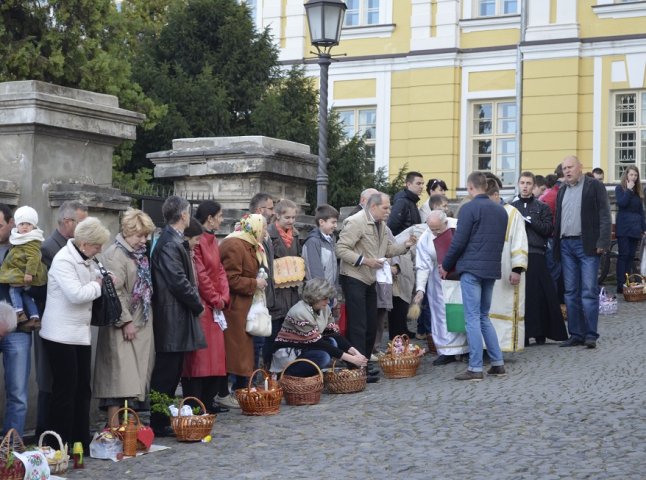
(437, 290)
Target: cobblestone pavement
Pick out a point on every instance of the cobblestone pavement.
(560, 413)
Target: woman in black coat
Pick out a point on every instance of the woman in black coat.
(630, 223)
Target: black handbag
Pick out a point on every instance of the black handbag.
(106, 310)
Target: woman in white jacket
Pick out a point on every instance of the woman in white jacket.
(73, 283)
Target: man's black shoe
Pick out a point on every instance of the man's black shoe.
(372, 370)
(540, 340)
(218, 409)
(590, 343)
(571, 342)
(372, 379)
(444, 360)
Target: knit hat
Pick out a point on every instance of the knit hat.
(194, 229)
(26, 215)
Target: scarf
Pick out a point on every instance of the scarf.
(286, 235)
(22, 238)
(142, 292)
(250, 229)
(300, 325)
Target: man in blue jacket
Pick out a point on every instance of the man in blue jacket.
(476, 253)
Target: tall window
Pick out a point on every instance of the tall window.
(361, 12)
(495, 8)
(629, 131)
(494, 139)
(363, 122)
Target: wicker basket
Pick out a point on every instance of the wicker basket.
(10, 467)
(259, 401)
(192, 428)
(56, 467)
(345, 380)
(120, 434)
(400, 365)
(301, 390)
(634, 291)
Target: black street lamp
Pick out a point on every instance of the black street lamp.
(325, 19)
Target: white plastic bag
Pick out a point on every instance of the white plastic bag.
(642, 263)
(607, 303)
(258, 318)
(105, 446)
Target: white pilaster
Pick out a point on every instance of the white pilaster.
(446, 24)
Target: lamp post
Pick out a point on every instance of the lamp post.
(325, 19)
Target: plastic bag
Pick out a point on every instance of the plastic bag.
(607, 303)
(258, 318)
(105, 446)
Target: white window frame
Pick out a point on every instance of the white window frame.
(471, 21)
(499, 6)
(638, 128)
(495, 137)
(370, 142)
(382, 29)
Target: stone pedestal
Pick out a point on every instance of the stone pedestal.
(233, 169)
(53, 135)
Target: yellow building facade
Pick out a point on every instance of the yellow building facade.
(450, 86)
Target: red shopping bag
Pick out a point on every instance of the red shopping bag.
(343, 320)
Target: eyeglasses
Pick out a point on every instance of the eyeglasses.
(71, 219)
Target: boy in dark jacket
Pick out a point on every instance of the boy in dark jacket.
(318, 249)
(404, 212)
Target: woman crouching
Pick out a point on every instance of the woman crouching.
(309, 332)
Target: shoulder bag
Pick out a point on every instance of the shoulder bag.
(106, 310)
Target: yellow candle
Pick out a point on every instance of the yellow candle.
(125, 413)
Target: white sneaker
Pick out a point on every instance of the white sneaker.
(230, 401)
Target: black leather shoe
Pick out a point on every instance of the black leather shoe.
(590, 343)
(218, 409)
(444, 360)
(540, 340)
(372, 379)
(571, 342)
(372, 371)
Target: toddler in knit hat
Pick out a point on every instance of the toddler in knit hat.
(22, 267)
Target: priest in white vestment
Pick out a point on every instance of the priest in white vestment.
(428, 282)
(507, 311)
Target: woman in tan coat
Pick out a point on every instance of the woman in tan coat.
(242, 256)
(125, 352)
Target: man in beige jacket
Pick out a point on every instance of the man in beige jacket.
(362, 248)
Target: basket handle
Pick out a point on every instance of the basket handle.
(63, 448)
(301, 360)
(118, 412)
(181, 403)
(629, 276)
(253, 375)
(11, 442)
(405, 341)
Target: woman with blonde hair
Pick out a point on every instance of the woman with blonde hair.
(242, 256)
(73, 284)
(629, 223)
(125, 351)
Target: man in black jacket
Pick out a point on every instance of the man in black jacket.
(543, 317)
(582, 234)
(176, 305)
(404, 212)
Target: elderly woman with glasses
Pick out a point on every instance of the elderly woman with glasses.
(309, 332)
(73, 284)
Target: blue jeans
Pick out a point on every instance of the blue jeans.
(21, 300)
(16, 359)
(303, 369)
(581, 290)
(476, 297)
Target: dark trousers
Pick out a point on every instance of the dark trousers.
(361, 310)
(205, 388)
(165, 378)
(69, 410)
(626, 247)
(397, 321)
(268, 347)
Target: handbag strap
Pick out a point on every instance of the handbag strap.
(102, 269)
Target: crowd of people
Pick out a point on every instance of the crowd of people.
(505, 268)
